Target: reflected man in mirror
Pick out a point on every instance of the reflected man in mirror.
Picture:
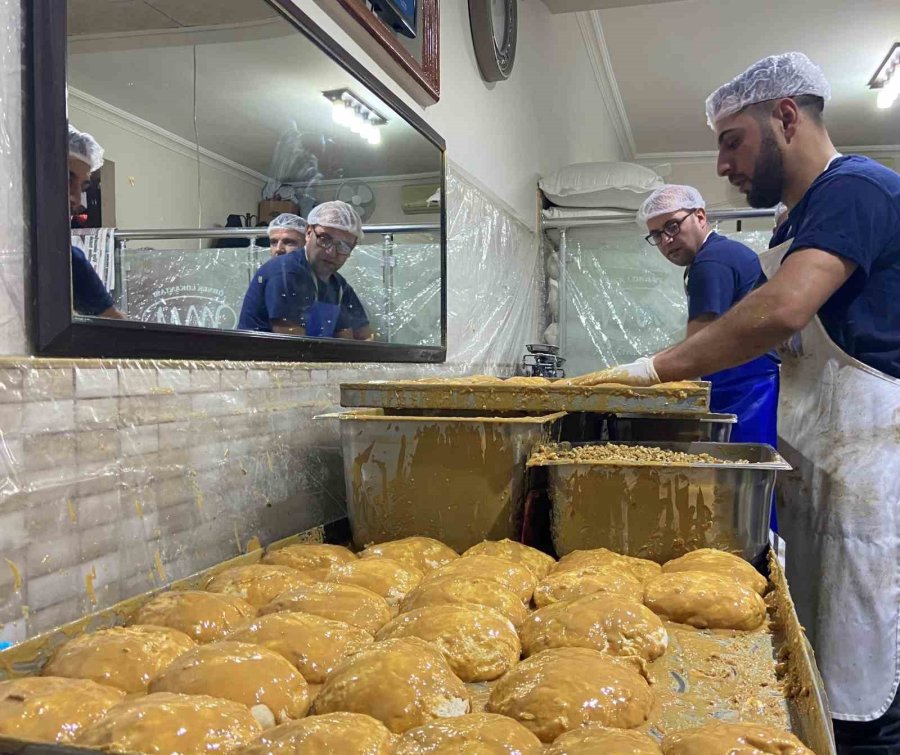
(89, 295)
(301, 292)
(286, 233)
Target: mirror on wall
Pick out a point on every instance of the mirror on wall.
(216, 119)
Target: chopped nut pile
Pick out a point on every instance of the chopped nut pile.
(612, 452)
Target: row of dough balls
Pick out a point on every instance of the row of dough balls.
(403, 680)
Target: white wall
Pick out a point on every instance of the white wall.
(505, 135)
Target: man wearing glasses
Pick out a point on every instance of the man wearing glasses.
(301, 292)
(719, 272)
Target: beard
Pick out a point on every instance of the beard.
(768, 175)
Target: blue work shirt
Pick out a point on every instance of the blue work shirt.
(286, 288)
(724, 272)
(852, 210)
(89, 295)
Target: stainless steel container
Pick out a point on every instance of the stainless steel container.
(458, 479)
(705, 428)
(660, 511)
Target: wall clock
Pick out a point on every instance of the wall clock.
(494, 25)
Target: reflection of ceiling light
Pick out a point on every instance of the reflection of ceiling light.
(350, 111)
(887, 79)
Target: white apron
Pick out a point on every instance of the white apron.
(839, 513)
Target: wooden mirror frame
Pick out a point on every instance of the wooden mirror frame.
(54, 331)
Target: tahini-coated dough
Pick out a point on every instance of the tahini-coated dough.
(386, 577)
(403, 683)
(720, 738)
(249, 674)
(576, 582)
(127, 658)
(352, 604)
(169, 723)
(314, 559)
(479, 643)
(258, 584)
(610, 624)
(601, 740)
(704, 600)
(512, 576)
(719, 562)
(202, 616)
(314, 644)
(539, 562)
(642, 568)
(423, 553)
(450, 590)
(330, 734)
(51, 709)
(563, 688)
(473, 734)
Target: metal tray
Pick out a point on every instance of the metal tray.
(677, 428)
(687, 399)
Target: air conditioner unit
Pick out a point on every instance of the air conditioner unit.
(418, 199)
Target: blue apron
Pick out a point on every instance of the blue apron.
(322, 317)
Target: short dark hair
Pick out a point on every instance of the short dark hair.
(811, 104)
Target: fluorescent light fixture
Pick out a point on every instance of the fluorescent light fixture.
(887, 79)
(350, 111)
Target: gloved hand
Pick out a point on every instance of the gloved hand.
(639, 373)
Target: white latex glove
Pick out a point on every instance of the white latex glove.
(639, 373)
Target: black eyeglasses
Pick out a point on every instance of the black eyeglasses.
(326, 242)
(671, 229)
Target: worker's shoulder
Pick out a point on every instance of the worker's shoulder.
(848, 171)
(283, 263)
(725, 251)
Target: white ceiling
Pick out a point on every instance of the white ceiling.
(567, 6)
(667, 57)
(255, 76)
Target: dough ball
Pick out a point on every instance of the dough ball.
(202, 616)
(703, 600)
(168, 723)
(255, 676)
(423, 553)
(331, 734)
(538, 561)
(258, 584)
(385, 577)
(473, 734)
(52, 709)
(642, 568)
(437, 591)
(613, 625)
(478, 643)
(512, 576)
(720, 738)
(314, 644)
(719, 562)
(314, 559)
(127, 658)
(351, 604)
(601, 740)
(587, 579)
(563, 688)
(403, 683)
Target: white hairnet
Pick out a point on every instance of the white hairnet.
(337, 215)
(290, 222)
(669, 198)
(789, 75)
(84, 147)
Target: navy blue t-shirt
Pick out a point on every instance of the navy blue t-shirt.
(724, 272)
(853, 210)
(286, 288)
(89, 295)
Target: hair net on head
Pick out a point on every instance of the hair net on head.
(289, 221)
(84, 147)
(789, 75)
(669, 198)
(337, 215)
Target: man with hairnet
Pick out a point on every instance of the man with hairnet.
(286, 233)
(89, 295)
(834, 291)
(719, 272)
(301, 292)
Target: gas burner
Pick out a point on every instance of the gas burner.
(543, 360)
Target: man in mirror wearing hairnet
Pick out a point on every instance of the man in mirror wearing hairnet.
(89, 295)
(834, 291)
(719, 272)
(301, 292)
(286, 233)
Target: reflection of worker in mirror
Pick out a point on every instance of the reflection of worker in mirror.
(89, 295)
(286, 234)
(301, 292)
